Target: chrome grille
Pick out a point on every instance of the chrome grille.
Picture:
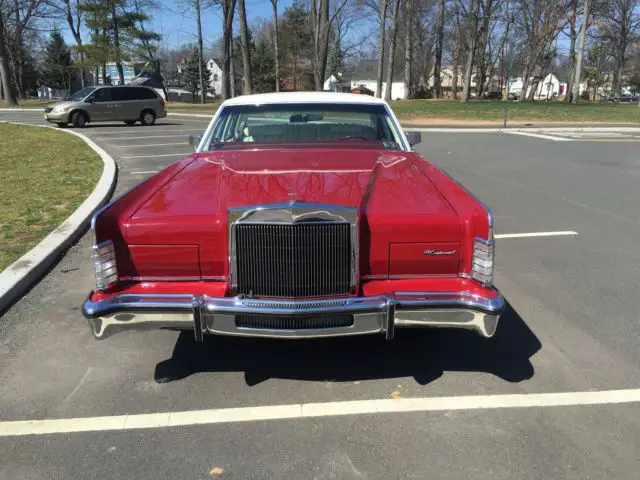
(293, 323)
(293, 260)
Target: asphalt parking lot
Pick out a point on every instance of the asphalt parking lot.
(572, 327)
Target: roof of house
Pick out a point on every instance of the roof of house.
(367, 71)
(303, 97)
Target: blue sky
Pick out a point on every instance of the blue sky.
(177, 23)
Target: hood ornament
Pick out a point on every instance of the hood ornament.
(439, 252)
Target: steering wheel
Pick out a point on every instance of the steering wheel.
(355, 137)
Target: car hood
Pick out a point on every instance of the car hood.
(61, 103)
(397, 202)
(384, 181)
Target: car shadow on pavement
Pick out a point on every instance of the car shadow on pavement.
(423, 354)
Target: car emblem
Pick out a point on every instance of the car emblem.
(439, 252)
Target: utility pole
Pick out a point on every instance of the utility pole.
(583, 35)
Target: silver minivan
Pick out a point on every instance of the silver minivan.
(126, 103)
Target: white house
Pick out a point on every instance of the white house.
(366, 75)
(548, 88)
(215, 74)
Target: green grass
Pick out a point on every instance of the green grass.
(492, 111)
(45, 176)
(30, 103)
(487, 111)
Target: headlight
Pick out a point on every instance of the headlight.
(60, 110)
(482, 261)
(104, 264)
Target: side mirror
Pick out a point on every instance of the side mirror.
(194, 140)
(414, 138)
(89, 100)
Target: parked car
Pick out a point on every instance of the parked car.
(126, 103)
(299, 215)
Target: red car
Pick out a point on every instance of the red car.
(299, 215)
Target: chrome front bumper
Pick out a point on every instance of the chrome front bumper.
(214, 315)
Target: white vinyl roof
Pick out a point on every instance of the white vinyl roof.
(304, 97)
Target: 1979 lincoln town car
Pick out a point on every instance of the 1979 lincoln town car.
(299, 215)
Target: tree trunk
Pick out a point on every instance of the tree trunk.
(583, 34)
(232, 68)
(320, 23)
(116, 43)
(201, 86)
(437, 69)
(392, 48)
(5, 77)
(408, 51)
(276, 45)
(383, 17)
(572, 50)
(471, 33)
(454, 68)
(525, 83)
(246, 54)
(228, 9)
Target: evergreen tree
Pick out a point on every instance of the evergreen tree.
(192, 75)
(58, 68)
(263, 68)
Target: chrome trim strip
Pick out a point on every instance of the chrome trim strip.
(371, 314)
(290, 213)
(408, 276)
(172, 279)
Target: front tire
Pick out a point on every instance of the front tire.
(147, 118)
(79, 119)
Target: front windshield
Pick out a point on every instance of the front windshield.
(81, 94)
(303, 124)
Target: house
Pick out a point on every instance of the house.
(549, 88)
(214, 66)
(365, 75)
(338, 82)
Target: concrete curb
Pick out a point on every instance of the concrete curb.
(21, 109)
(195, 115)
(22, 273)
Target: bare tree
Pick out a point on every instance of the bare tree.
(472, 22)
(198, 9)
(228, 9)
(246, 54)
(408, 50)
(276, 45)
(437, 69)
(579, 58)
(456, 57)
(5, 75)
(73, 15)
(321, 21)
(621, 22)
(383, 20)
(539, 22)
(392, 47)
